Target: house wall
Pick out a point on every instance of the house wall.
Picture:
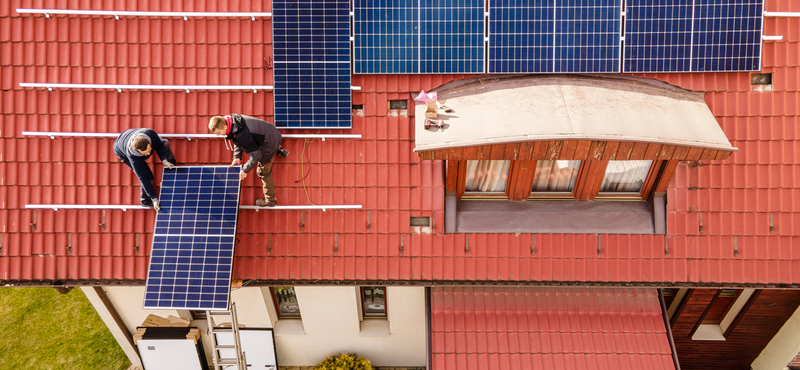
(330, 320)
(768, 313)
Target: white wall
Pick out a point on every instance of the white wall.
(783, 347)
(330, 320)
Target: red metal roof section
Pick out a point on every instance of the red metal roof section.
(548, 328)
(729, 222)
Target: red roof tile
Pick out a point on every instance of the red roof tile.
(544, 328)
(748, 203)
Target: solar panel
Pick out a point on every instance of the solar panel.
(451, 36)
(386, 36)
(311, 54)
(727, 35)
(409, 36)
(692, 36)
(191, 256)
(531, 36)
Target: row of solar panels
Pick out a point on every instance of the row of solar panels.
(311, 43)
(557, 36)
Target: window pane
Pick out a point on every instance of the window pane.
(286, 301)
(487, 176)
(374, 301)
(555, 175)
(625, 176)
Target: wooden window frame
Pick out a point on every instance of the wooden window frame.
(727, 309)
(280, 315)
(513, 174)
(364, 304)
(587, 184)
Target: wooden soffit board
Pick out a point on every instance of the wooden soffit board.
(570, 117)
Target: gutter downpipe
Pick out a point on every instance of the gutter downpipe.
(669, 330)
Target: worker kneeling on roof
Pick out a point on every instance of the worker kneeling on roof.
(133, 147)
(260, 139)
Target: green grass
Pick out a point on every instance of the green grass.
(43, 329)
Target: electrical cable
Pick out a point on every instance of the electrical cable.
(303, 179)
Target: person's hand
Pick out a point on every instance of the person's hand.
(242, 175)
(236, 162)
(156, 205)
(167, 164)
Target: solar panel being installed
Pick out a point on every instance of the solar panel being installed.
(693, 36)
(311, 51)
(529, 36)
(192, 250)
(408, 36)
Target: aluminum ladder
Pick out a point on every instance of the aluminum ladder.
(220, 361)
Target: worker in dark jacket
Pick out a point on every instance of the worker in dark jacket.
(260, 139)
(133, 147)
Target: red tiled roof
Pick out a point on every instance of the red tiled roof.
(750, 230)
(548, 328)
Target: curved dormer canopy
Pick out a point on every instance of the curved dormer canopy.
(570, 117)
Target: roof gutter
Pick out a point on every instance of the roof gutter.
(669, 330)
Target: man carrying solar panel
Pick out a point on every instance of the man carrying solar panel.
(260, 139)
(133, 147)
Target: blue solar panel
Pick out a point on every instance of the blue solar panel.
(409, 36)
(451, 36)
(692, 36)
(311, 54)
(727, 35)
(530, 36)
(191, 256)
(386, 36)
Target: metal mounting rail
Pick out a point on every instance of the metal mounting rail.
(53, 135)
(781, 14)
(56, 207)
(324, 208)
(128, 13)
(119, 88)
(126, 207)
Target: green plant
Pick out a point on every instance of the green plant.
(345, 361)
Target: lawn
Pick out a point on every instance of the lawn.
(43, 329)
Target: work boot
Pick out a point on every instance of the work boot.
(265, 203)
(283, 152)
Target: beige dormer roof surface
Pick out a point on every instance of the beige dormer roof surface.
(512, 109)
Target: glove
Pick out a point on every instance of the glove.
(167, 164)
(156, 205)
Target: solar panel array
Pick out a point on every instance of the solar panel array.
(311, 55)
(693, 36)
(191, 257)
(411, 36)
(532, 36)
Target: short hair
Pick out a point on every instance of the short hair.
(141, 143)
(217, 123)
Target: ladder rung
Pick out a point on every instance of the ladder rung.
(223, 330)
(225, 346)
(218, 313)
(227, 362)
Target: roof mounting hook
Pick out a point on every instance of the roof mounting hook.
(116, 16)
(33, 224)
(185, 18)
(187, 91)
(253, 18)
(49, 88)
(255, 91)
(47, 15)
(119, 90)
(52, 137)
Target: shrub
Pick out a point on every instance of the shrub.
(345, 361)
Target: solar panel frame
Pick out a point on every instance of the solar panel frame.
(178, 275)
(530, 36)
(451, 36)
(378, 28)
(651, 45)
(311, 64)
(717, 45)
